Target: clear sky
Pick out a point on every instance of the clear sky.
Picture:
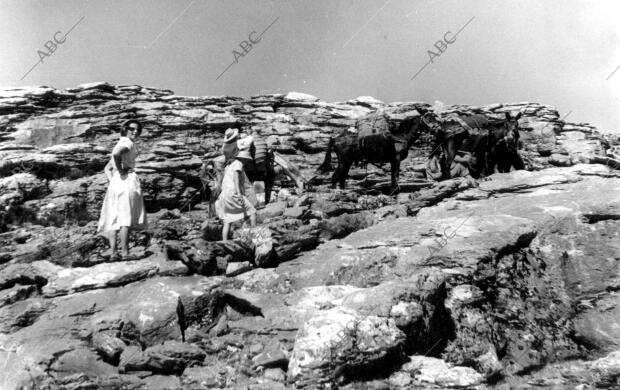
(558, 52)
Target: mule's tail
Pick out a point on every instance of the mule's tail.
(326, 166)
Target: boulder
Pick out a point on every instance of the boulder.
(341, 342)
(273, 355)
(108, 346)
(170, 358)
(16, 293)
(81, 360)
(21, 314)
(431, 371)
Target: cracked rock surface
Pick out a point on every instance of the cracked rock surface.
(511, 282)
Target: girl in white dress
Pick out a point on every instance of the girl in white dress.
(123, 206)
(237, 199)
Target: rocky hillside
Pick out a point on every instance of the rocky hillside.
(508, 282)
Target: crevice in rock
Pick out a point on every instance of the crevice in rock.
(522, 315)
(522, 242)
(592, 218)
(23, 279)
(430, 335)
(378, 369)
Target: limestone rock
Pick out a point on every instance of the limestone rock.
(16, 293)
(108, 346)
(162, 382)
(274, 355)
(21, 314)
(300, 96)
(168, 358)
(84, 361)
(208, 376)
(428, 370)
(340, 342)
(506, 275)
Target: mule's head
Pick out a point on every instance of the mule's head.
(511, 132)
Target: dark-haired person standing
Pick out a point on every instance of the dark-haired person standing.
(123, 206)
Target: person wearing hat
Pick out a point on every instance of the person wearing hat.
(123, 206)
(463, 163)
(230, 137)
(247, 152)
(237, 199)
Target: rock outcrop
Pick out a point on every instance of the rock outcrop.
(510, 281)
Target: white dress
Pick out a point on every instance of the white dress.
(228, 207)
(123, 204)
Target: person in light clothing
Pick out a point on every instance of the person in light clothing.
(123, 205)
(245, 143)
(433, 166)
(237, 198)
(464, 161)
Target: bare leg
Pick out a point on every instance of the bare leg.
(253, 220)
(225, 231)
(125, 240)
(112, 240)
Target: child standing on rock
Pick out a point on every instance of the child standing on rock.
(237, 199)
(123, 206)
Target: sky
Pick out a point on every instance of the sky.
(565, 53)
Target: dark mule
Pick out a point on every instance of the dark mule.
(503, 151)
(374, 143)
(450, 135)
(492, 142)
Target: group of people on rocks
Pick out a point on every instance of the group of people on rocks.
(123, 207)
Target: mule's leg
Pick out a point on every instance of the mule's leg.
(517, 161)
(345, 172)
(443, 165)
(503, 159)
(337, 174)
(450, 152)
(491, 161)
(485, 164)
(269, 179)
(268, 187)
(395, 168)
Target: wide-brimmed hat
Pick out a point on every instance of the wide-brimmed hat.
(230, 135)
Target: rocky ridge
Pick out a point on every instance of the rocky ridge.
(511, 282)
